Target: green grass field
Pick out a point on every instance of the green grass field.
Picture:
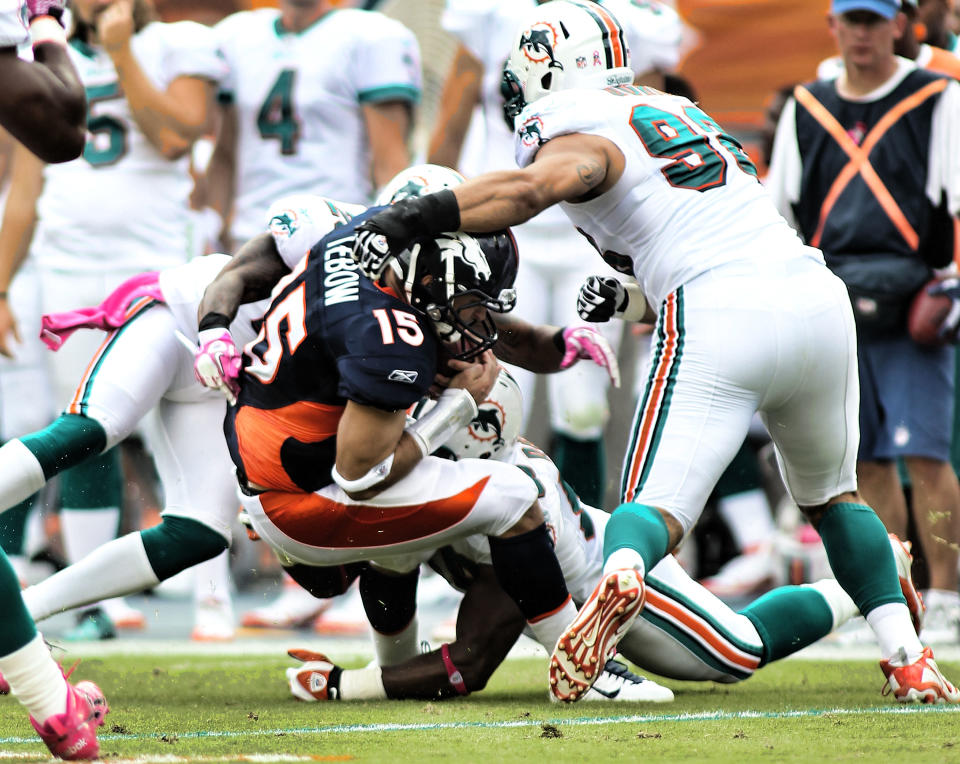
(237, 708)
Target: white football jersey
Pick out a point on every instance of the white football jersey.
(13, 31)
(489, 30)
(123, 205)
(688, 200)
(577, 530)
(298, 96)
(299, 221)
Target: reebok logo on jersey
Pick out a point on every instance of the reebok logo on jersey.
(402, 375)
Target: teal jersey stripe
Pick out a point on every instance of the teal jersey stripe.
(390, 93)
(88, 387)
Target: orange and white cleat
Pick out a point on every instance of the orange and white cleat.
(918, 682)
(586, 645)
(904, 561)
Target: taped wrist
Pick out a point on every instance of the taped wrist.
(374, 476)
(214, 320)
(634, 306)
(454, 409)
(424, 215)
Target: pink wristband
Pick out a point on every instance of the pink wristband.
(456, 678)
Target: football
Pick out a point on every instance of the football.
(927, 312)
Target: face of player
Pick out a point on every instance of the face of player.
(865, 39)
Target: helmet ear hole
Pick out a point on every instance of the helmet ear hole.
(546, 80)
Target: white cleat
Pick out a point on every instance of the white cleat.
(213, 621)
(617, 683)
(590, 641)
(295, 607)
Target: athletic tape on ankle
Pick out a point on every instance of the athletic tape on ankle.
(456, 678)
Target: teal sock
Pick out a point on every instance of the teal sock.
(640, 528)
(96, 483)
(788, 619)
(583, 465)
(66, 442)
(18, 627)
(859, 553)
(13, 526)
(179, 542)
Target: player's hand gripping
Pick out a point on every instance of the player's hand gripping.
(601, 298)
(585, 342)
(53, 8)
(216, 363)
(950, 326)
(477, 377)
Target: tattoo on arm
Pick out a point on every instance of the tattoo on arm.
(591, 173)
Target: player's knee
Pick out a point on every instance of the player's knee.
(178, 543)
(325, 582)
(531, 520)
(66, 442)
(814, 513)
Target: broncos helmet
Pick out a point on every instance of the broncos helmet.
(449, 277)
(418, 180)
(564, 44)
(492, 433)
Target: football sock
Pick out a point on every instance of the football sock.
(583, 465)
(395, 648)
(894, 631)
(21, 474)
(179, 542)
(637, 528)
(64, 443)
(212, 579)
(841, 606)
(118, 567)
(13, 526)
(36, 679)
(18, 628)
(527, 570)
(360, 684)
(788, 619)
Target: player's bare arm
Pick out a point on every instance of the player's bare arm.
(461, 92)
(249, 276)
(221, 177)
(536, 348)
(171, 119)
(16, 232)
(388, 128)
(43, 104)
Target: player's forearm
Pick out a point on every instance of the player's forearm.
(248, 277)
(460, 94)
(44, 103)
(388, 126)
(170, 123)
(496, 200)
(20, 214)
(539, 349)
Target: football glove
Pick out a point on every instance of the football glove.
(53, 8)
(950, 326)
(585, 342)
(217, 361)
(601, 298)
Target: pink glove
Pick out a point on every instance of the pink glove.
(587, 343)
(216, 363)
(54, 8)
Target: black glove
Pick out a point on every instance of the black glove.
(601, 298)
(388, 233)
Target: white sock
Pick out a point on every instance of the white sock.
(362, 684)
(84, 530)
(841, 606)
(940, 597)
(36, 679)
(392, 649)
(211, 579)
(624, 559)
(894, 630)
(119, 567)
(547, 630)
(748, 517)
(21, 475)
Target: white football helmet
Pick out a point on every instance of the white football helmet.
(564, 44)
(492, 433)
(419, 180)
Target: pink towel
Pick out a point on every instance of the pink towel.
(124, 302)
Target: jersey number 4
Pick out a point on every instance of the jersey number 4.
(278, 117)
(691, 142)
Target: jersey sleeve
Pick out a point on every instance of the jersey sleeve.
(943, 174)
(562, 113)
(386, 65)
(192, 51)
(386, 375)
(13, 31)
(299, 221)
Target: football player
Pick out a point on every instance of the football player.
(748, 319)
(471, 133)
(98, 222)
(42, 104)
(683, 632)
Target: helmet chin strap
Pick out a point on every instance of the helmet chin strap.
(411, 276)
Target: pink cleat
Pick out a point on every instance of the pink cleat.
(73, 734)
(4, 686)
(591, 640)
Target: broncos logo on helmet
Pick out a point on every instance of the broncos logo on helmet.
(467, 250)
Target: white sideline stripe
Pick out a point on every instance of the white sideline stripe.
(706, 716)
